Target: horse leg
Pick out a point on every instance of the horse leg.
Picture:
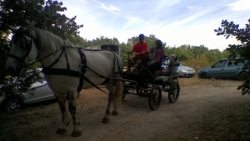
(117, 97)
(111, 87)
(77, 131)
(62, 128)
(107, 113)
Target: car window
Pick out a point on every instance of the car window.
(220, 64)
(232, 62)
(239, 62)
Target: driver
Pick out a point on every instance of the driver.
(140, 49)
(141, 52)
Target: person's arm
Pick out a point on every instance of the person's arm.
(157, 60)
(132, 51)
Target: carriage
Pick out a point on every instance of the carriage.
(68, 69)
(151, 88)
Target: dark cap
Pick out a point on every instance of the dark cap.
(158, 42)
(141, 36)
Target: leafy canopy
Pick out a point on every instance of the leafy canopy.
(228, 29)
(48, 15)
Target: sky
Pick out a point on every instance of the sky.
(175, 22)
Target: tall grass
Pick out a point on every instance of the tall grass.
(197, 64)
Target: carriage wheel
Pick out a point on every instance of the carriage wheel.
(174, 92)
(154, 98)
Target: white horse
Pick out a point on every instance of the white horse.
(60, 61)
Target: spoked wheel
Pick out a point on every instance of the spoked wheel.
(154, 98)
(174, 92)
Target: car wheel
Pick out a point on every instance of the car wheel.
(242, 75)
(12, 104)
(204, 75)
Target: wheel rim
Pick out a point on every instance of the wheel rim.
(155, 98)
(13, 105)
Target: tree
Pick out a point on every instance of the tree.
(47, 15)
(228, 29)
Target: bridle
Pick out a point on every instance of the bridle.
(28, 46)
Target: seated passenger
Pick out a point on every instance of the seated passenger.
(155, 64)
(173, 64)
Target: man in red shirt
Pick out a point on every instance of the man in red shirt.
(141, 52)
(140, 49)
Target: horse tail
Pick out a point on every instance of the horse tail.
(117, 97)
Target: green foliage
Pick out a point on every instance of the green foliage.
(47, 15)
(228, 29)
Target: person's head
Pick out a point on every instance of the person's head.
(158, 44)
(174, 57)
(141, 38)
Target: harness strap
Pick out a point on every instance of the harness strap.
(17, 58)
(56, 71)
(66, 56)
(63, 49)
(84, 62)
(86, 79)
(86, 67)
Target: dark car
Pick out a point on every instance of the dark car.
(224, 68)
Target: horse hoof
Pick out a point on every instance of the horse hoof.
(114, 113)
(60, 131)
(76, 133)
(105, 120)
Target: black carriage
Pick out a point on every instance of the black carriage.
(152, 86)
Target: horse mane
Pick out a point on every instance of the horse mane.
(46, 39)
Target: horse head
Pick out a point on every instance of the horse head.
(22, 49)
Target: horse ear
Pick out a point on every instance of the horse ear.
(12, 28)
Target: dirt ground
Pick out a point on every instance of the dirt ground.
(207, 110)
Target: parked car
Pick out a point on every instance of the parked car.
(224, 68)
(185, 71)
(39, 91)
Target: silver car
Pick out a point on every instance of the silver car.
(185, 71)
(39, 91)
